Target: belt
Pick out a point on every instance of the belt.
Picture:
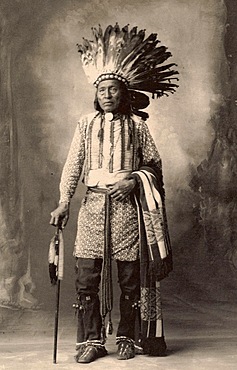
(98, 190)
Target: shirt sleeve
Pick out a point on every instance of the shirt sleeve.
(73, 167)
(149, 155)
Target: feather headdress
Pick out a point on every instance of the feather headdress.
(130, 57)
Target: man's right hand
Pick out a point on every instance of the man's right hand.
(60, 216)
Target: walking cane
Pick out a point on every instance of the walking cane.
(56, 264)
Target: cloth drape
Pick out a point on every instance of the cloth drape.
(155, 258)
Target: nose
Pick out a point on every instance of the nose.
(107, 93)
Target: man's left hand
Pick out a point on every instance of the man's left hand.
(122, 189)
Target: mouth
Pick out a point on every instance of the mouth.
(108, 103)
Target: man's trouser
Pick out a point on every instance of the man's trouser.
(87, 288)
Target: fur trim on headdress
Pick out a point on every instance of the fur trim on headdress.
(130, 57)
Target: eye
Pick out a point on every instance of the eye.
(113, 90)
(101, 90)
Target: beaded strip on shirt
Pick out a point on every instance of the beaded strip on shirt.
(113, 144)
(128, 137)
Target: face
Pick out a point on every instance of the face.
(109, 95)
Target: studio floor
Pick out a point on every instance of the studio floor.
(199, 336)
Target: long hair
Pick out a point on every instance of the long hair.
(125, 101)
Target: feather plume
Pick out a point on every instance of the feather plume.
(127, 55)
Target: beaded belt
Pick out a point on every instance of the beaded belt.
(99, 190)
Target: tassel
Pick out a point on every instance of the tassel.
(129, 136)
(101, 139)
(109, 330)
(101, 133)
(101, 130)
(76, 307)
(103, 330)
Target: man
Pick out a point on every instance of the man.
(122, 216)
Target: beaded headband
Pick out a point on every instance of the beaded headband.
(110, 76)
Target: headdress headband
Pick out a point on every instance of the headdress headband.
(130, 57)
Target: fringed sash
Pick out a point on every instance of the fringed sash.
(106, 276)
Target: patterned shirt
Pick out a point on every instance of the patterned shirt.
(102, 152)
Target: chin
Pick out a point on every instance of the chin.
(109, 109)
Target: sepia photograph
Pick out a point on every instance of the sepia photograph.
(118, 195)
